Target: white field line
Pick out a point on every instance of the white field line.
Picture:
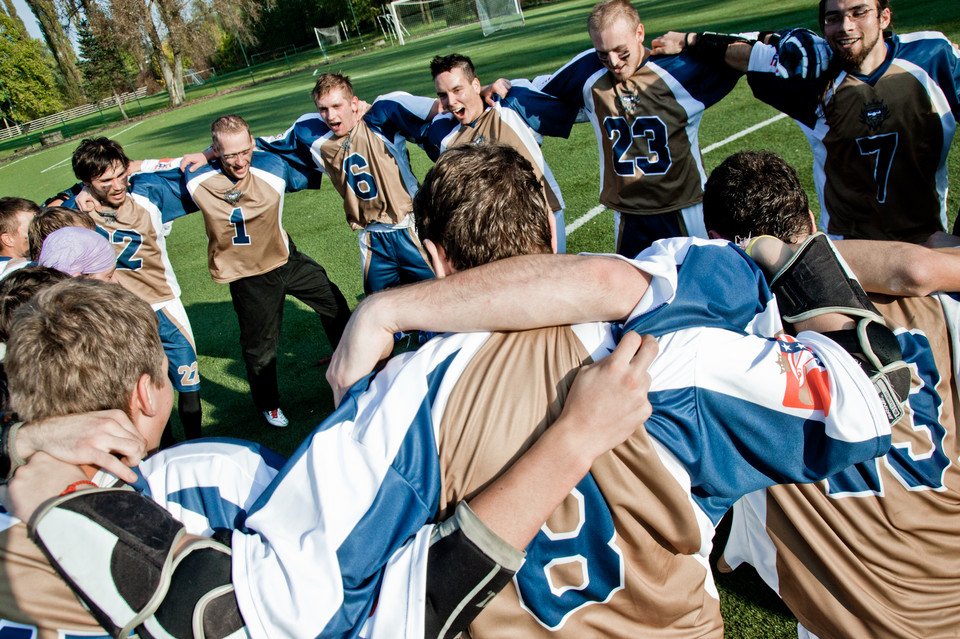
(64, 161)
(597, 210)
(12, 163)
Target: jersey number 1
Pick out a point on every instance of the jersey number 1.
(239, 227)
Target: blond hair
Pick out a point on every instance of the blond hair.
(53, 218)
(607, 12)
(81, 345)
(330, 81)
(227, 124)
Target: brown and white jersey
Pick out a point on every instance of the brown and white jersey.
(135, 230)
(645, 572)
(880, 142)
(243, 219)
(370, 166)
(497, 124)
(875, 551)
(33, 598)
(647, 128)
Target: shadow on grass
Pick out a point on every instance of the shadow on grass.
(305, 396)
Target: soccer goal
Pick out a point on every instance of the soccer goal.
(499, 14)
(412, 19)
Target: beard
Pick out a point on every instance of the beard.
(852, 59)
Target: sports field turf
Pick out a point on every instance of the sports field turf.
(553, 34)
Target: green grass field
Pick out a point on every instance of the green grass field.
(552, 35)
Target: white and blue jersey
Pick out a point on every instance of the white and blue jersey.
(879, 142)
(646, 128)
(207, 484)
(735, 409)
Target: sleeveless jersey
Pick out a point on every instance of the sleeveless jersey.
(880, 144)
(647, 132)
(370, 166)
(206, 485)
(873, 551)
(244, 219)
(135, 230)
(497, 124)
(626, 554)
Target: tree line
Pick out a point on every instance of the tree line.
(124, 44)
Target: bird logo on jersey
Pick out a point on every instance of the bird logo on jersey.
(874, 114)
(808, 384)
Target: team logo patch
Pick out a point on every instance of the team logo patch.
(808, 384)
(874, 114)
(233, 196)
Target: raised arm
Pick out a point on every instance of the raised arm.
(519, 293)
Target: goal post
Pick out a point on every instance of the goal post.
(499, 14)
(327, 37)
(416, 18)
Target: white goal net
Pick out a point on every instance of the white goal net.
(499, 14)
(416, 18)
(327, 37)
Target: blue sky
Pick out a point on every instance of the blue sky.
(27, 16)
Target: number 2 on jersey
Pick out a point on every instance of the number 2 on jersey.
(127, 260)
(567, 570)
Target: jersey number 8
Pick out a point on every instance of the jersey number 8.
(589, 550)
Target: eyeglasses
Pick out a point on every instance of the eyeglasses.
(835, 18)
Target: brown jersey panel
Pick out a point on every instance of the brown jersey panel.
(373, 172)
(242, 219)
(658, 139)
(879, 566)
(489, 127)
(888, 189)
(511, 391)
(32, 593)
(133, 235)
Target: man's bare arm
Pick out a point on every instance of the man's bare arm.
(899, 268)
(737, 54)
(607, 403)
(105, 439)
(519, 293)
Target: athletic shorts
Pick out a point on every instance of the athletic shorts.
(177, 338)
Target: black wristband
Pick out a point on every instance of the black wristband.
(713, 46)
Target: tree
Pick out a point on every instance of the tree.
(103, 66)
(30, 88)
(59, 45)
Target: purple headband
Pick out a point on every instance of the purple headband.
(74, 249)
